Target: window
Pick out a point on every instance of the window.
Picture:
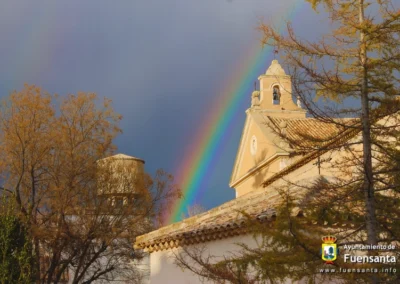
(276, 95)
(136, 200)
(119, 202)
(253, 145)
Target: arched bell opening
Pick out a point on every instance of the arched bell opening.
(276, 95)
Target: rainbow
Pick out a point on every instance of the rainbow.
(197, 163)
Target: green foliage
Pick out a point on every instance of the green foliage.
(15, 247)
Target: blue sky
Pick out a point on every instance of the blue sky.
(161, 62)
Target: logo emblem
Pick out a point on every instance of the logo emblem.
(329, 249)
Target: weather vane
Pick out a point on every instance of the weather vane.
(276, 51)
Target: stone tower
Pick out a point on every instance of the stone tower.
(123, 181)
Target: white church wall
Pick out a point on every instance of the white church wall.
(164, 270)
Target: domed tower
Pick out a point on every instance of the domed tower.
(122, 179)
(276, 93)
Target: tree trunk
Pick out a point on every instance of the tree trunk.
(368, 184)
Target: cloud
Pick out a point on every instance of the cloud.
(161, 62)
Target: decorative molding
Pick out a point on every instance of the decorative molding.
(239, 155)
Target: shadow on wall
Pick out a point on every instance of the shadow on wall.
(163, 270)
(258, 176)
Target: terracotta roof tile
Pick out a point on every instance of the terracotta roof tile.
(307, 132)
(209, 225)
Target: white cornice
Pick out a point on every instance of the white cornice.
(274, 76)
(282, 110)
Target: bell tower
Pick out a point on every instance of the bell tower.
(275, 96)
(262, 151)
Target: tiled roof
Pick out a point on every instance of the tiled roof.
(220, 222)
(320, 129)
(307, 133)
(320, 149)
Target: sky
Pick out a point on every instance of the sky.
(162, 63)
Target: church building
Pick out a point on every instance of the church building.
(263, 162)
